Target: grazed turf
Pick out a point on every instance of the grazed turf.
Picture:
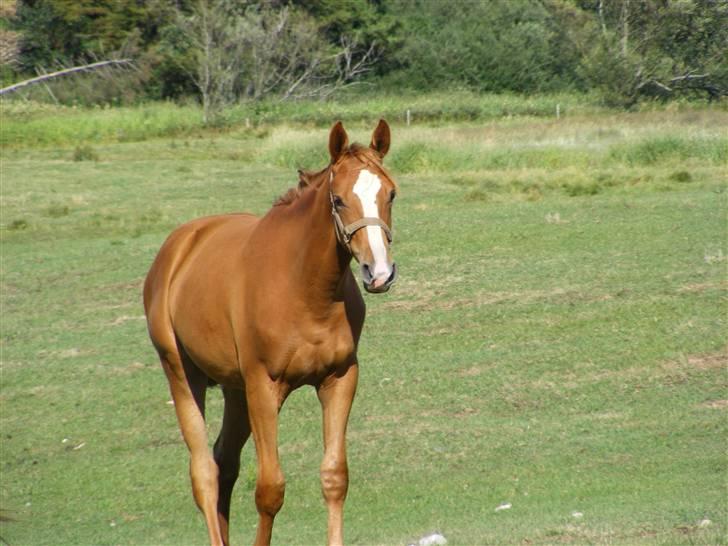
(556, 340)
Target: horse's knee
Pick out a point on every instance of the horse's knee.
(334, 480)
(269, 493)
(204, 474)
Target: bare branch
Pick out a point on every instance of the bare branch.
(64, 72)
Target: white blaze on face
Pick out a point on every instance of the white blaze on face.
(366, 188)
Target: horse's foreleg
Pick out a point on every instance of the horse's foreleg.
(233, 435)
(264, 398)
(187, 387)
(336, 394)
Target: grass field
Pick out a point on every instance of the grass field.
(556, 340)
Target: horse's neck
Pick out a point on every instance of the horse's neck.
(324, 263)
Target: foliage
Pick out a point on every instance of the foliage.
(365, 22)
(627, 50)
(233, 53)
(500, 45)
(659, 49)
(211, 38)
(70, 30)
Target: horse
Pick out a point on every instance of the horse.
(264, 305)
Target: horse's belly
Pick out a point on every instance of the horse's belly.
(217, 362)
(201, 294)
(207, 338)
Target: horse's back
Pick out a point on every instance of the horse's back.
(190, 283)
(230, 231)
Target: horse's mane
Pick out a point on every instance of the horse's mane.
(312, 179)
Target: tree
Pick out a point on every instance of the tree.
(364, 22)
(656, 48)
(68, 31)
(499, 45)
(253, 51)
(209, 35)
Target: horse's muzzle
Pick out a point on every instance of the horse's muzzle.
(372, 286)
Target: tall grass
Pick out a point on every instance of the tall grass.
(651, 151)
(33, 124)
(423, 108)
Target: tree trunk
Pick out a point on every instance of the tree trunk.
(625, 26)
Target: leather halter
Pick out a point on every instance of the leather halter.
(344, 233)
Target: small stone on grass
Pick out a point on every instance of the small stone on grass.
(435, 539)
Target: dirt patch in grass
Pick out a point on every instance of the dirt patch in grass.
(469, 372)
(715, 404)
(709, 361)
(126, 370)
(431, 300)
(703, 286)
(670, 372)
(125, 318)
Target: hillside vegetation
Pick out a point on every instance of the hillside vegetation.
(226, 51)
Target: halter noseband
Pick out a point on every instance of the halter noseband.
(344, 233)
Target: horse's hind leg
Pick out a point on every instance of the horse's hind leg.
(233, 435)
(187, 385)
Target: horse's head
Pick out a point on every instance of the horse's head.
(361, 195)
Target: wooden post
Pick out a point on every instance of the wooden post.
(409, 117)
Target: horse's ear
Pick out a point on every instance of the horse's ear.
(338, 141)
(380, 139)
(304, 178)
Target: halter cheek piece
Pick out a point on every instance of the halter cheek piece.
(344, 233)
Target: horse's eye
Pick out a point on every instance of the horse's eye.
(392, 196)
(338, 202)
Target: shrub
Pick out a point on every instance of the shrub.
(681, 176)
(84, 152)
(578, 189)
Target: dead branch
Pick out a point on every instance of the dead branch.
(688, 81)
(64, 72)
(348, 67)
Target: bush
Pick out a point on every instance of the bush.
(84, 152)
(498, 45)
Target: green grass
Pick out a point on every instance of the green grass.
(28, 123)
(556, 339)
(33, 124)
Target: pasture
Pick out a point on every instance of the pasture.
(555, 342)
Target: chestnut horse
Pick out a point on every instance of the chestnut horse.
(264, 305)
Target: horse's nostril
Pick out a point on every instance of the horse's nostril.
(366, 269)
(393, 275)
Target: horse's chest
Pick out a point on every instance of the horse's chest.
(316, 356)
